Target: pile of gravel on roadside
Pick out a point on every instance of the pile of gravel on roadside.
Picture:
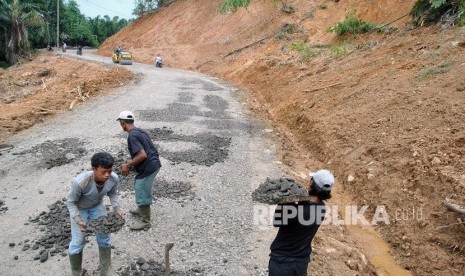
(142, 267)
(57, 231)
(106, 224)
(274, 190)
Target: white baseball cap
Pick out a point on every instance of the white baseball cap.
(324, 179)
(126, 115)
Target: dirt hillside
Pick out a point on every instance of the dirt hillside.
(384, 110)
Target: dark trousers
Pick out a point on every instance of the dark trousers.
(287, 267)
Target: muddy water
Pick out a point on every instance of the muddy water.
(372, 244)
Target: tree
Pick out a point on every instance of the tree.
(426, 12)
(15, 18)
(143, 6)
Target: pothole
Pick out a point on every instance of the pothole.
(172, 189)
(181, 111)
(213, 149)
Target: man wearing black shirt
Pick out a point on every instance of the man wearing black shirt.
(146, 163)
(298, 224)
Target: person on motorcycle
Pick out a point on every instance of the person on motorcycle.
(158, 61)
(49, 47)
(64, 47)
(79, 51)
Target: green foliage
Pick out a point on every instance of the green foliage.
(426, 12)
(306, 52)
(339, 50)
(324, 6)
(143, 6)
(32, 23)
(351, 25)
(16, 17)
(233, 5)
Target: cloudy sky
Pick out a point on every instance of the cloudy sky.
(120, 8)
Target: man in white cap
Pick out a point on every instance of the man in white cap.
(298, 223)
(146, 162)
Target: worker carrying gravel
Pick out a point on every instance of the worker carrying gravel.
(85, 204)
(298, 224)
(145, 161)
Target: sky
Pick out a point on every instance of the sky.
(120, 8)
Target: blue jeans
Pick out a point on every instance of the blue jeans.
(143, 189)
(78, 238)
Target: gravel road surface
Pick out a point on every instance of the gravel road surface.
(213, 154)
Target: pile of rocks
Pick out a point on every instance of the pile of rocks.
(272, 191)
(57, 231)
(106, 224)
(144, 267)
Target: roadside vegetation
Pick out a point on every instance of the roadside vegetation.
(30, 24)
(352, 25)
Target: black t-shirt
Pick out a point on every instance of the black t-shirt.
(139, 139)
(298, 224)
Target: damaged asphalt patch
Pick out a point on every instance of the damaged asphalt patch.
(58, 152)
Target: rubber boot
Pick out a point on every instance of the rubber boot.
(136, 212)
(105, 262)
(76, 265)
(144, 221)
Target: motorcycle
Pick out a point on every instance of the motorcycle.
(79, 52)
(159, 63)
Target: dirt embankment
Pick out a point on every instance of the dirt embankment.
(384, 111)
(31, 91)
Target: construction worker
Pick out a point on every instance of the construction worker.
(85, 204)
(298, 223)
(146, 162)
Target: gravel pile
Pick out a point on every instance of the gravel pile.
(57, 231)
(58, 152)
(142, 267)
(106, 224)
(274, 190)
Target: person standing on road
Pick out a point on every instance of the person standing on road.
(146, 162)
(85, 204)
(298, 223)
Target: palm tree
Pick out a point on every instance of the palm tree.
(15, 18)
